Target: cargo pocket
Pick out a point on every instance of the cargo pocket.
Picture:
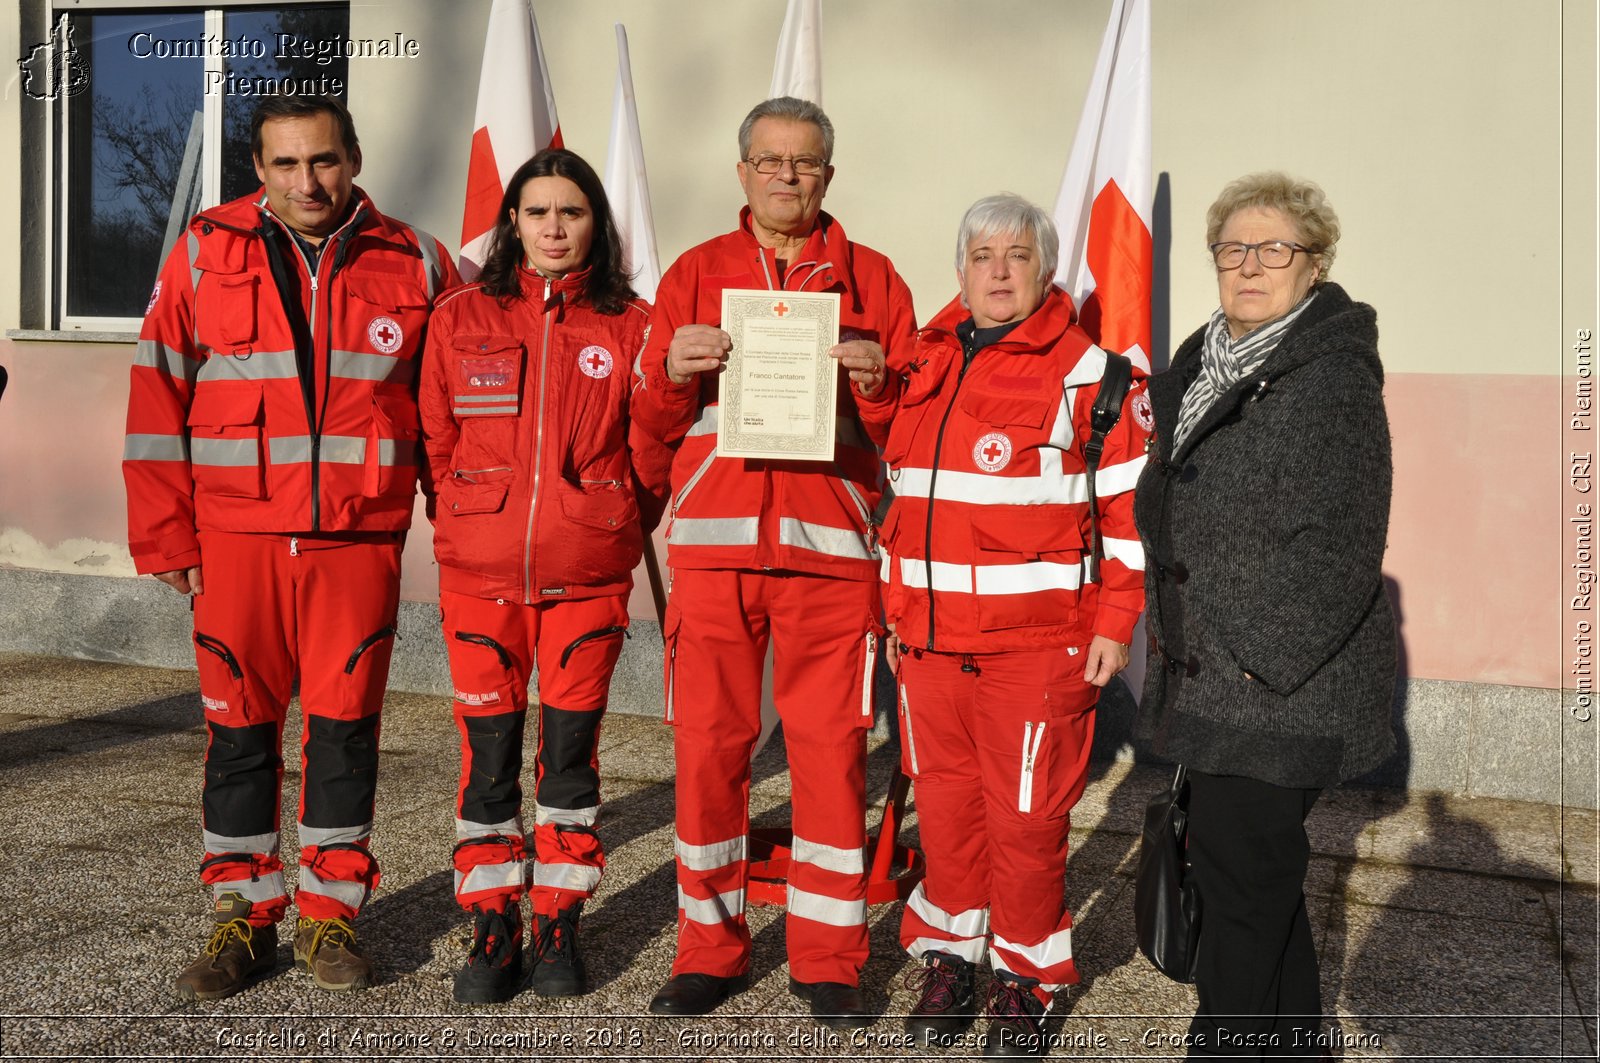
(236, 316)
(607, 505)
(482, 673)
(485, 375)
(366, 670)
(391, 457)
(225, 423)
(670, 624)
(222, 689)
(1028, 567)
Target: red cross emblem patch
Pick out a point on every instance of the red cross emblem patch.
(595, 361)
(993, 452)
(385, 335)
(1142, 412)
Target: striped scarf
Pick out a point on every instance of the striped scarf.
(1226, 361)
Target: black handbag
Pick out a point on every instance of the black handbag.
(1166, 906)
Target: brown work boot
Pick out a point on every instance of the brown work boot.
(327, 949)
(236, 955)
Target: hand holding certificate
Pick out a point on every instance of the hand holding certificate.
(777, 395)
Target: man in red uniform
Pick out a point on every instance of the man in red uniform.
(271, 465)
(772, 551)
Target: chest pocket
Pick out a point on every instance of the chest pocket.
(385, 315)
(912, 410)
(485, 376)
(1017, 411)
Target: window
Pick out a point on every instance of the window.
(153, 125)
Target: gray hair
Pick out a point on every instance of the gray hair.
(1302, 202)
(789, 109)
(1009, 215)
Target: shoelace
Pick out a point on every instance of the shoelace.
(333, 931)
(490, 946)
(233, 928)
(1009, 1002)
(936, 983)
(556, 938)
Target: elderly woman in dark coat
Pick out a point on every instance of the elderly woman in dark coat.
(1263, 517)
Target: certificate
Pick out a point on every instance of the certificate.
(777, 390)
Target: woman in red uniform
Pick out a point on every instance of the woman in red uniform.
(1006, 625)
(536, 509)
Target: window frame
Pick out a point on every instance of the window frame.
(57, 169)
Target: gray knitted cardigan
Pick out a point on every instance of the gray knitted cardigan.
(1264, 537)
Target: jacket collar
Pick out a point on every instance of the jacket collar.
(824, 263)
(562, 290)
(1038, 333)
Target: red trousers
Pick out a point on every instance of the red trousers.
(273, 607)
(494, 647)
(822, 632)
(997, 746)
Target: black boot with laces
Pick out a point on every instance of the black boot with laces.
(1016, 1018)
(946, 1005)
(558, 966)
(494, 966)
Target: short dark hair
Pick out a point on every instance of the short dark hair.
(272, 107)
(607, 289)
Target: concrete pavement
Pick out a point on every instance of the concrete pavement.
(1449, 928)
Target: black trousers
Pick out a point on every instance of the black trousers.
(1256, 971)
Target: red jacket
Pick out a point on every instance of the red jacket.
(742, 513)
(525, 423)
(991, 501)
(231, 428)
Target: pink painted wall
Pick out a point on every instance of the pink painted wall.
(1474, 554)
(1473, 537)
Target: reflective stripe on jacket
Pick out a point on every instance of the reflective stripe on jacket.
(798, 516)
(525, 424)
(242, 418)
(987, 542)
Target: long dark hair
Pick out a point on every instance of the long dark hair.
(607, 289)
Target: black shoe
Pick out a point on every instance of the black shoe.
(494, 966)
(947, 1005)
(557, 964)
(834, 1004)
(1016, 1018)
(695, 994)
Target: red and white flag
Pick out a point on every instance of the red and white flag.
(1103, 211)
(626, 185)
(797, 71)
(515, 118)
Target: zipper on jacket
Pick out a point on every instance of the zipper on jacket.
(367, 644)
(218, 647)
(1031, 740)
(933, 481)
(468, 474)
(605, 632)
(677, 503)
(867, 676)
(538, 450)
(911, 739)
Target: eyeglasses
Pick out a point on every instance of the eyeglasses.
(1273, 254)
(804, 165)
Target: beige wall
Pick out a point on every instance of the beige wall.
(1436, 126)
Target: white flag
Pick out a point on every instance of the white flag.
(797, 71)
(627, 187)
(515, 119)
(1103, 211)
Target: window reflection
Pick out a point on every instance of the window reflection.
(133, 142)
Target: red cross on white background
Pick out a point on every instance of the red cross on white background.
(779, 309)
(993, 451)
(596, 362)
(386, 334)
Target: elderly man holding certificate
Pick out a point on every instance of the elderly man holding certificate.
(771, 541)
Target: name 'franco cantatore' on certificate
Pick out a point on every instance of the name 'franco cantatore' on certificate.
(778, 387)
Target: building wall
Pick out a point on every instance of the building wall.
(1459, 160)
